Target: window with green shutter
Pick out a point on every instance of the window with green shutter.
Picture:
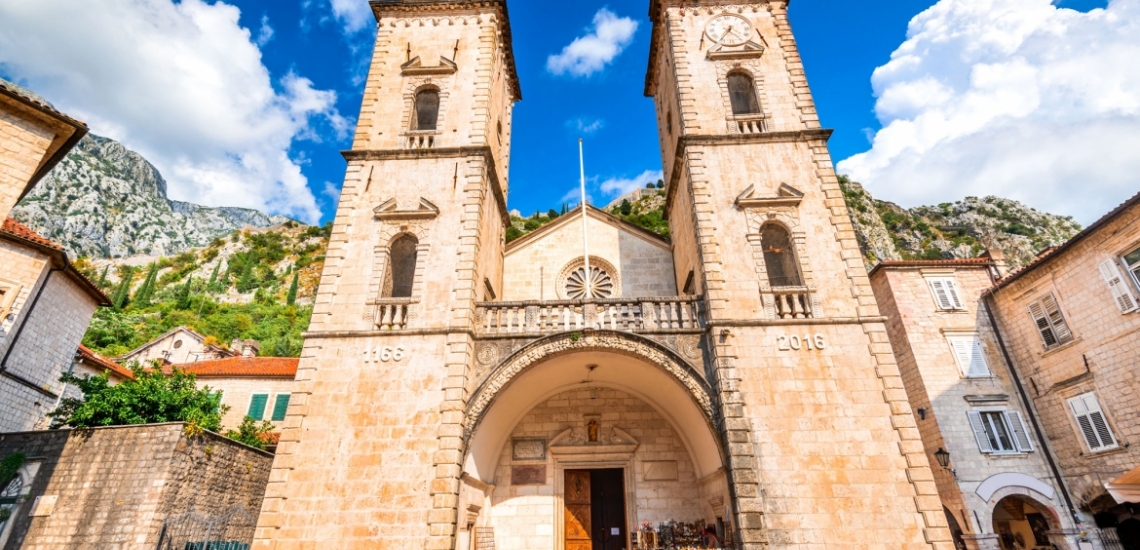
(280, 406)
(257, 406)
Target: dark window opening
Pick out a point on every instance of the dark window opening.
(743, 94)
(427, 110)
(779, 257)
(403, 270)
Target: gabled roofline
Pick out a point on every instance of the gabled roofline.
(164, 335)
(977, 263)
(1058, 251)
(572, 215)
(79, 129)
(59, 259)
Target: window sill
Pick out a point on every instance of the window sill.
(1059, 348)
(1119, 449)
(1008, 454)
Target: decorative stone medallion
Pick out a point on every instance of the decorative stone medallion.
(691, 347)
(488, 354)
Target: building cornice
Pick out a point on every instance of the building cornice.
(822, 134)
(379, 7)
(442, 153)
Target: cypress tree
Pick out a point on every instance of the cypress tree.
(626, 207)
(123, 294)
(146, 291)
(103, 278)
(291, 298)
(184, 294)
(214, 277)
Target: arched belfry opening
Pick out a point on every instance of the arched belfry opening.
(742, 94)
(780, 257)
(403, 255)
(426, 115)
(590, 444)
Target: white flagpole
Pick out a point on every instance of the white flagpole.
(585, 220)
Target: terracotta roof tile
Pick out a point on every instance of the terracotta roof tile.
(98, 360)
(21, 231)
(243, 367)
(954, 262)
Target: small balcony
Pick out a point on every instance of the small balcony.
(790, 303)
(628, 315)
(393, 313)
(750, 124)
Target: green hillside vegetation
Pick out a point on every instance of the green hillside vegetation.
(250, 285)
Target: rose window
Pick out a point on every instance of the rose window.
(601, 284)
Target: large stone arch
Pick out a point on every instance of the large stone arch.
(647, 353)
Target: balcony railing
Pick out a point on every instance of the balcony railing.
(789, 303)
(750, 124)
(630, 315)
(393, 313)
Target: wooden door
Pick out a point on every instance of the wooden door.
(578, 510)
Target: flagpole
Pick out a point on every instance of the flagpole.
(585, 218)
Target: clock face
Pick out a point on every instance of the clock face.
(729, 30)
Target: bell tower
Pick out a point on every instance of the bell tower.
(825, 449)
(372, 446)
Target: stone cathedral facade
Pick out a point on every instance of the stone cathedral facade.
(457, 392)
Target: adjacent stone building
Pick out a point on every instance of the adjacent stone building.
(258, 387)
(455, 392)
(997, 486)
(1071, 321)
(179, 346)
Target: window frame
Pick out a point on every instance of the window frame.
(796, 275)
(1133, 270)
(415, 116)
(1085, 399)
(8, 301)
(1060, 338)
(1016, 431)
(754, 95)
(976, 352)
(950, 289)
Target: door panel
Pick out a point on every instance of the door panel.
(607, 489)
(578, 510)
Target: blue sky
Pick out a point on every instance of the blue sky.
(249, 102)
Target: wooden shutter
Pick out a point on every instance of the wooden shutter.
(979, 426)
(941, 296)
(1092, 422)
(1060, 327)
(961, 348)
(968, 353)
(1020, 434)
(257, 406)
(952, 294)
(978, 366)
(280, 406)
(1121, 293)
(1037, 311)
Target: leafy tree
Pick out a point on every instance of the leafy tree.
(626, 207)
(151, 397)
(251, 433)
(291, 298)
(123, 293)
(513, 233)
(9, 467)
(660, 184)
(552, 213)
(650, 185)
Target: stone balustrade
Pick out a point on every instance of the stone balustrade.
(548, 317)
(393, 313)
(751, 124)
(790, 303)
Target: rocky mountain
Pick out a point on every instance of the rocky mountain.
(963, 229)
(106, 201)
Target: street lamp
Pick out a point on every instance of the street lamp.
(943, 458)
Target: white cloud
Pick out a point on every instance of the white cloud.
(265, 34)
(1016, 98)
(355, 15)
(586, 126)
(591, 53)
(183, 84)
(616, 187)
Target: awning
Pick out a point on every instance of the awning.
(1126, 488)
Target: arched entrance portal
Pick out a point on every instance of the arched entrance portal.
(1022, 523)
(577, 443)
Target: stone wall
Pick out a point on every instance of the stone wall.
(523, 516)
(50, 336)
(114, 487)
(534, 267)
(1101, 357)
(935, 383)
(24, 141)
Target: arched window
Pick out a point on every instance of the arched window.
(403, 267)
(742, 91)
(779, 257)
(427, 110)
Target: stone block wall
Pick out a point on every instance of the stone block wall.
(1101, 358)
(114, 487)
(24, 142)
